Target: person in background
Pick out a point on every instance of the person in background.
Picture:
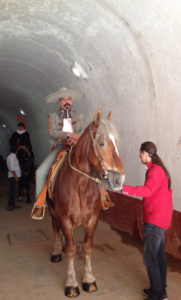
(157, 216)
(26, 163)
(2, 169)
(14, 173)
(21, 137)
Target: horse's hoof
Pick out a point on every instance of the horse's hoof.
(89, 287)
(56, 258)
(72, 292)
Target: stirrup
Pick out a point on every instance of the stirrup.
(38, 212)
(107, 204)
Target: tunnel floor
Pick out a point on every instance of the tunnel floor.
(27, 273)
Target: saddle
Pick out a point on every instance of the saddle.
(38, 210)
(54, 170)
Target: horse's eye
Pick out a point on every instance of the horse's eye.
(101, 144)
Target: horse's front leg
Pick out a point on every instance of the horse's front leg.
(57, 247)
(89, 282)
(71, 285)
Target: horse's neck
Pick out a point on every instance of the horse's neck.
(80, 152)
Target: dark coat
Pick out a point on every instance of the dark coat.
(21, 139)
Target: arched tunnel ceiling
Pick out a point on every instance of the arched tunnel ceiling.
(126, 49)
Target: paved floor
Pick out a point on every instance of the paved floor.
(27, 273)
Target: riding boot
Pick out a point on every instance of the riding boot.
(38, 210)
(106, 202)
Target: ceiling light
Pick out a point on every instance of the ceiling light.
(78, 71)
(22, 112)
(4, 125)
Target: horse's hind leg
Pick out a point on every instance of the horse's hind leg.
(57, 248)
(89, 282)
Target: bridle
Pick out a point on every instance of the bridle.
(105, 171)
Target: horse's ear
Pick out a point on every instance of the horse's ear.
(97, 117)
(109, 116)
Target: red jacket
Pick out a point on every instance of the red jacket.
(157, 199)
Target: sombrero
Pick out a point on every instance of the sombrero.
(64, 92)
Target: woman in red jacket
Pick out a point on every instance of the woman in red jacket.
(157, 215)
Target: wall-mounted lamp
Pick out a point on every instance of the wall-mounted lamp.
(22, 112)
(78, 71)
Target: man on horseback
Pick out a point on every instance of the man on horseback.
(64, 127)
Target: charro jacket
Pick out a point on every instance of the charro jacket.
(55, 126)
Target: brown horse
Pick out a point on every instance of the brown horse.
(77, 195)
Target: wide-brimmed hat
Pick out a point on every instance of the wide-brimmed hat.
(64, 92)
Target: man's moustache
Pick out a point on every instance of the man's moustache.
(67, 105)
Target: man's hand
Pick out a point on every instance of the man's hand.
(17, 179)
(72, 139)
(15, 176)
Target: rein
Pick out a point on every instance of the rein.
(99, 158)
(104, 176)
(75, 169)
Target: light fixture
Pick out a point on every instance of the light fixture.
(78, 71)
(22, 112)
(4, 125)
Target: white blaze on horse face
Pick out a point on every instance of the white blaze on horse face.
(114, 143)
(122, 180)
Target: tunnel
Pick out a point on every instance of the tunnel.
(124, 56)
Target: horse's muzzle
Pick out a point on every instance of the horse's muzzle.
(115, 180)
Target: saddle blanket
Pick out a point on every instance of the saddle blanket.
(54, 171)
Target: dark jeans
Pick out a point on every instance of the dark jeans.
(12, 191)
(155, 259)
(24, 182)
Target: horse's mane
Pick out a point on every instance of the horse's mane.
(106, 128)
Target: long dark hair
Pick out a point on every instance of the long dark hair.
(151, 149)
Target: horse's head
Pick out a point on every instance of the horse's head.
(105, 157)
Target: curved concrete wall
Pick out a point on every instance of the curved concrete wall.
(130, 51)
